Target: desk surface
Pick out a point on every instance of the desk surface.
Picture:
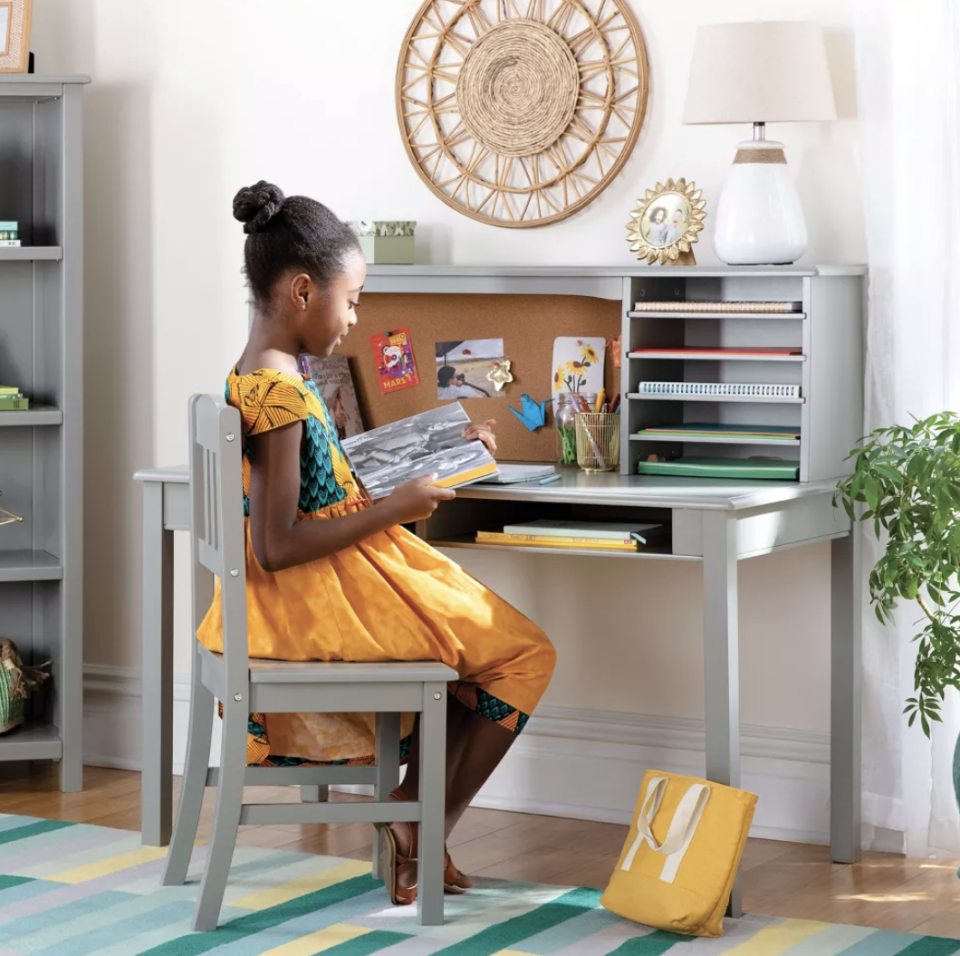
(631, 491)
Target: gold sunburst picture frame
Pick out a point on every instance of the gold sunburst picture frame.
(666, 223)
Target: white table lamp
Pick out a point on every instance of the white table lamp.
(759, 73)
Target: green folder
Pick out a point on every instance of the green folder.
(723, 468)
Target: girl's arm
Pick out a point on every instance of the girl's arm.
(281, 540)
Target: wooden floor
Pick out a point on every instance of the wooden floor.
(781, 879)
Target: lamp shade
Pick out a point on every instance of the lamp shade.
(760, 72)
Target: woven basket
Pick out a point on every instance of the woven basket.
(17, 682)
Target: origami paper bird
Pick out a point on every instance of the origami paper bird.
(534, 414)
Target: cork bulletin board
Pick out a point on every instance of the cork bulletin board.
(528, 324)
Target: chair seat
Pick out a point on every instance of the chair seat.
(344, 672)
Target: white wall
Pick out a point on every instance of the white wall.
(191, 100)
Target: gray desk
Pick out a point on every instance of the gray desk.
(718, 523)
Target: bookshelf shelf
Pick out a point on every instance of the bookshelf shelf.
(680, 356)
(31, 253)
(37, 416)
(31, 566)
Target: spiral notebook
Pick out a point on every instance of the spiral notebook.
(718, 389)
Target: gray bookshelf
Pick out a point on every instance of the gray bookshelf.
(827, 332)
(41, 450)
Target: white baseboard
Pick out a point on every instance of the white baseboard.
(571, 763)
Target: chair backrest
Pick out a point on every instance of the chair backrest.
(217, 536)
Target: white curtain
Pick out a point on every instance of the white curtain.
(908, 80)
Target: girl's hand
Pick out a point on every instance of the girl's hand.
(482, 433)
(417, 500)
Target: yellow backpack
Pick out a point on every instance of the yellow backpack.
(678, 865)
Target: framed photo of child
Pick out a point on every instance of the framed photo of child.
(16, 17)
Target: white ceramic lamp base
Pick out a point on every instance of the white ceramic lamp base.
(759, 219)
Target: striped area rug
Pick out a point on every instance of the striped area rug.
(72, 890)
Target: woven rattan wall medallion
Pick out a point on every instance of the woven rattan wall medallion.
(519, 113)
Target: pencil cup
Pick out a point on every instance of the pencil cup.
(598, 441)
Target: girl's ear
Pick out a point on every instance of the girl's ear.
(300, 291)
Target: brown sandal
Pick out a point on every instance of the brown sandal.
(391, 864)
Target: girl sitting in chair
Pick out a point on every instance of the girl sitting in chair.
(331, 578)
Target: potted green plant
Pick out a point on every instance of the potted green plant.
(906, 481)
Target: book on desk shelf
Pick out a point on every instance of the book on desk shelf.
(594, 530)
(555, 541)
(690, 431)
(429, 443)
(517, 474)
(746, 468)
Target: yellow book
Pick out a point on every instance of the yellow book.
(552, 541)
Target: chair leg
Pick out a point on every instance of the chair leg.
(314, 794)
(388, 772)
(233, 759)
(194, 780)
(433, 778)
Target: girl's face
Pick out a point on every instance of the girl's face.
(329, 318)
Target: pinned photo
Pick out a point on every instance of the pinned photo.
(463, 367)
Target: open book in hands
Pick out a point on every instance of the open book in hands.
(425, 444)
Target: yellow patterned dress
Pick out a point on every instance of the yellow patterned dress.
(389, 598)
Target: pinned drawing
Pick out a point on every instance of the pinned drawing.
(396, 365)
(578, 365)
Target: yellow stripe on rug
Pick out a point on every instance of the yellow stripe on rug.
(774, 940)
(112, 864)
(318, 942)
(277, 895)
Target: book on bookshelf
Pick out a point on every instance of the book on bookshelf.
(719, 389)
(9, 390)
(696, 429)
(425, 444)
(747, 468)
(674, 305)
(14, 403)
(684, 350)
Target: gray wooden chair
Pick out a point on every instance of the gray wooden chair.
(247, 685)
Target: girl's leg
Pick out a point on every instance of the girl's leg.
(475, 747)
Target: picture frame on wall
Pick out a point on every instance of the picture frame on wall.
(16, 17)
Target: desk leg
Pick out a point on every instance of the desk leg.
(157, 635)
(845, 678)
(721, 657)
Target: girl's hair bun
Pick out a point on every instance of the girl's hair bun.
(256, 205)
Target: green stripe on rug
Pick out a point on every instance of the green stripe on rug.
(507, 935)
(366, 944)
(32, 830)
(8, 882)
(653, 944)
(244, 926)
(931, 946)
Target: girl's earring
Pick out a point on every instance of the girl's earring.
(304, 306)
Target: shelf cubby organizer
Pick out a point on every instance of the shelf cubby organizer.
(826, 332)
(41, 450)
